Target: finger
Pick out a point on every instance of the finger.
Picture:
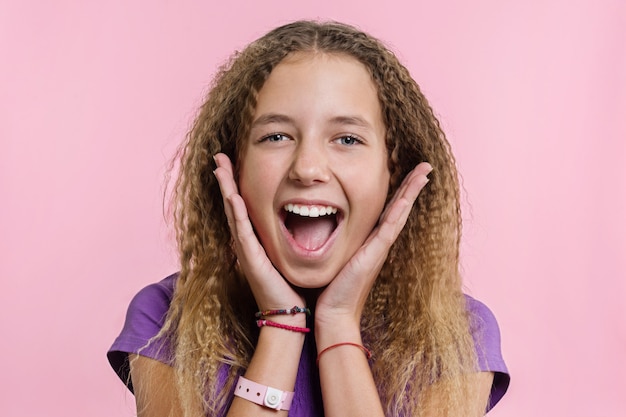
(226, 181)
(223, 161)
(422, 169)
(397, 212)
(246, 243)
(225, 167)
(405, 200)
(245, 237)
(235, 207)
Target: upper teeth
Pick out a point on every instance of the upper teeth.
(310, 211)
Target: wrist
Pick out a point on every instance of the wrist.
(368, 353)
(297, 320)
(341, 331)
(282, 328)
(263, 395)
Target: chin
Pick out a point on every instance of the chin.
(308, 280)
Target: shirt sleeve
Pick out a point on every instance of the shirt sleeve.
(486, 334)
(144, 319)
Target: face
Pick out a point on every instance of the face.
(314, 173)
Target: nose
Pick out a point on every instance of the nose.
(310, 164)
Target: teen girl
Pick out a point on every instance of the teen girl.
(314, 281)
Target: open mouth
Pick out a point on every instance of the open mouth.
(310, 225)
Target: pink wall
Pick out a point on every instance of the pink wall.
(95, 96)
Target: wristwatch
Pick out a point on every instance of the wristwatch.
(263, 395)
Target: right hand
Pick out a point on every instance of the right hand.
(270, 289)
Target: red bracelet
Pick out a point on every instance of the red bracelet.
(367, 352)
(262, 323)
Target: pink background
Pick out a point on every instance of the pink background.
(96, 95)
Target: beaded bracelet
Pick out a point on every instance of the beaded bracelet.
(293, 310)
(262, 323)
(368, 353)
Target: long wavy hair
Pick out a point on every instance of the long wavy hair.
(415, 318)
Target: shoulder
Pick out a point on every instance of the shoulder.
(483, 323)
(486, 333)
(150, 305)
(147, 310)
(144, 319)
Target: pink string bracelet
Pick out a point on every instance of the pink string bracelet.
(293, 310)
(368, 353)
(262, 323)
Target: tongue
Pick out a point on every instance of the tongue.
(311, 232)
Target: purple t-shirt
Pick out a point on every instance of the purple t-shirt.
(146, 314)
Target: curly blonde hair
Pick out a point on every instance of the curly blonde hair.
(415, 319)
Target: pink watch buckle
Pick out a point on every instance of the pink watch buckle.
(263, 395)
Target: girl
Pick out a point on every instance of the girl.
(313, 279)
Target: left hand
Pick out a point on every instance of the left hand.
(342, 302)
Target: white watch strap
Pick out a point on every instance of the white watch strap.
(263, 395)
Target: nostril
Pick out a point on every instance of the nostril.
(310, 168)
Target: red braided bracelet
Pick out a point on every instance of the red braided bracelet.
(262, 323)
(367, 352)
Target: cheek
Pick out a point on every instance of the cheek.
(254, 173)
(377, 202)
(382, 191)
(247, 186)
(372, 196)
(249, 178)
(256, 189)
(381, 182)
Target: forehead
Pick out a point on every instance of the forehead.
(329, 79)
(336, 60)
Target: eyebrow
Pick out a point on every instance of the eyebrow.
(270, 118)
(351, 121)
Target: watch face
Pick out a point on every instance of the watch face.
(272, 398)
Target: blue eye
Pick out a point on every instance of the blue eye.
(349, 140)
(275, 137)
